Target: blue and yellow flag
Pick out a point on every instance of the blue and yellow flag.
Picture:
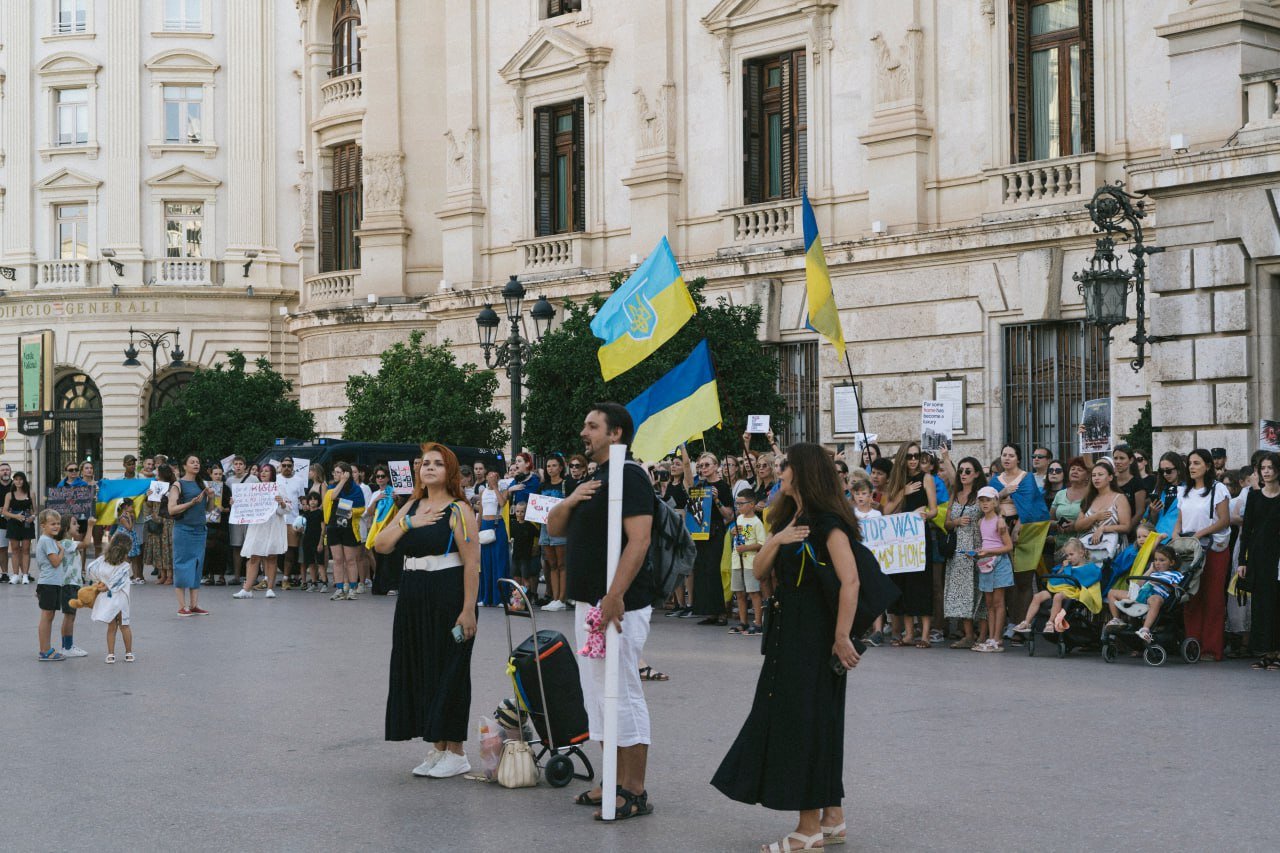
(1083, 583)
(824, 318)
(650, 307)
(683, 402)
(111, 492)
(384, 510)
(1029, 549)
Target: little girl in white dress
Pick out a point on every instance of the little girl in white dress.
(112, 575)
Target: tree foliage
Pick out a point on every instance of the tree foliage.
(420, 393)
(225, 410)
(1139, 437)
(564, 372)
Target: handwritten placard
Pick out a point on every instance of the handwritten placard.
(539, 508)
(897, 541)
(75, 501)
(401, 477)
(758, 424)
(252, 503)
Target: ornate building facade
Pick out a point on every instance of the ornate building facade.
(148, 166)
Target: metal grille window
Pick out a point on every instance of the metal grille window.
(1050, 369)
(798, 385)
(77, 422)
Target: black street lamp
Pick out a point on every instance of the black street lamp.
(154, 341)
(1105, 285)
(515, 350)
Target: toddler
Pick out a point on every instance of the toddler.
(1073, 556)
(1164, 567)
(127, 525)
(111, 576)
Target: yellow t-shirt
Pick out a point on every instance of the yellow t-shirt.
(746, 531)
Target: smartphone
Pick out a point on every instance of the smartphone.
(457, 633)
(858, 646)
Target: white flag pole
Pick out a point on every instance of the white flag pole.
(609, 779)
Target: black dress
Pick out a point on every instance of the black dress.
(708, 587)
(1260, 552)
(19, 531)
(916, 587)
(429, 695)
(789, 754)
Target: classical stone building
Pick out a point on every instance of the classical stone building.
(148, 163)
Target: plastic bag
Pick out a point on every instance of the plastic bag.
(490, 747)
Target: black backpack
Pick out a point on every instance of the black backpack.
(671, 549)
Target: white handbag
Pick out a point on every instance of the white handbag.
(516, 768)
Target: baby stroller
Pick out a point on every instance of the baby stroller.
(1082, 631)
(1169, 631)
(545, 675)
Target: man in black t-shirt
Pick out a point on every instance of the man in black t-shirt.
(583, 517)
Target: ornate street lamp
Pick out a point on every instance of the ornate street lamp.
(1105, 285)
(154, 341)
(515, 350)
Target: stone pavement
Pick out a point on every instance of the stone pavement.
(260, 728)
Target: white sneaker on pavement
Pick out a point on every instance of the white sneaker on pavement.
(74, 652)
(450, 764)
(433, 757)
(244, 593)
(271, 593)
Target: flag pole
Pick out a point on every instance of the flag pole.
(609, 777)
(857, 401)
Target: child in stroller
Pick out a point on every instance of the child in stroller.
(1066, 609)
(1074, 558)
(1162, 577)
(1173, 578)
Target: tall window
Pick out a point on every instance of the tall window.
(798, 372)
(346, 44)
(73, 231)
(775, 130)
(340, 212)
(183, 16)
(559, 169)
(182, 108)
(183, 229)
(1050, 369)
(1051, 73)
(73, 116)
(71, 16)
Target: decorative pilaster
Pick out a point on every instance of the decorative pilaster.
(123, 88)
(249, 62)
(19, 133)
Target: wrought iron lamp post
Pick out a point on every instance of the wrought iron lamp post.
(154, 341)
(1105, 285)
(515, 350)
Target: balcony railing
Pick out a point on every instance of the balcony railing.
(331, 288)
(1045, 181)
(72, 273)
(765, 223)
(345, 90)
(184, 271)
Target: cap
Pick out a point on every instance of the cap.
(988, 492)
(1218, 453)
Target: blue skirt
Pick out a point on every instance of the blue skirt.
(495, 563)
(188, 555)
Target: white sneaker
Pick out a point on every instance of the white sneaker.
(271, 593)
(339, 595)
(450, 764)
(26, 579)
(351, 594)
(74, 652)
(13, 580)
(433, 758)
(244, 593)
(554, 606)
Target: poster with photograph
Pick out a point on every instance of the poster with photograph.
(1269, 436)
(1096, 420)
(936, 425)
(157, 490)
(214, 514)
(401, 477)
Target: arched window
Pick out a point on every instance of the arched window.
(346, 43)
(77, 425)
(167, 387)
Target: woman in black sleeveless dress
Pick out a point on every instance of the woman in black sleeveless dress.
(789, 754)
(910, 489)
(429, 695)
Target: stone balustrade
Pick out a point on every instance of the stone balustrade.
(63, 273)
(331, 288)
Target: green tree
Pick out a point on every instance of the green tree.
(1139, 437)
(564, 372)
(225, 410)
(421, 394)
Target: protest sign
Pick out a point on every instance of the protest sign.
(897, 541)
(861, 440)
(935, 425)
(539, 508)
(1269, 435)
(401, 477)
(157, 490)
(225, 462)
(75, 501)
(252, 503)
(1096, 420)
(758, 424)
(214, 513)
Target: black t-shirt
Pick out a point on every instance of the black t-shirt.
(523, 535)
(1130, 490)
(677, 496)
(586, 554)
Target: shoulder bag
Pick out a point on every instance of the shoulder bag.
(516, 767)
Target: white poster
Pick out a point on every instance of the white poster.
(401, 477)
(540, 507)
(844, 410)
(226, 463)
(935, 425)
(758, 424)
(897, 541)
(252, 503)
(157, 490)
(861, 440)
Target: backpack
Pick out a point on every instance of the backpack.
(671, 549)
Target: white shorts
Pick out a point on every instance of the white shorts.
(743, 580)
(633, 712)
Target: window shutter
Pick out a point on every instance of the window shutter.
(554, 7)
(787, 65)
(543, 186)
(579, 178)
(328, 232)
(1086, 77)
(752, 117)
(801, 70)
(1019, 83)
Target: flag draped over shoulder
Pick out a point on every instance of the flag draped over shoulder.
(111, 492)
(645, 312)
(824, 318)
(1083, 583)
(682, 403)
(384, 511)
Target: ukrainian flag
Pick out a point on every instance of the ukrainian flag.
(383, 512)
(111, 492)
(1083, 583)
(650, 307)
(823, 316)
(683, 402)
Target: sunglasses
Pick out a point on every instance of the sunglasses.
(1168, 471)
(913, 456)
(1055, 470)
(963, 471)
(1039, 456)
(380, 476)
(784, 464)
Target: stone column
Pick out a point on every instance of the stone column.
(121, 116)
(19, 137)
(249, 61)
(462, 218)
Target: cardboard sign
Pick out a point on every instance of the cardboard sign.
(252, 503)
(539, 508)
(401, 477)
(1269, 435)
(897, 541)
(935, 425)
(76, 501)
(1096, 420)
(157, 490)
(758, 424)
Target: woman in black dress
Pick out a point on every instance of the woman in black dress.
(789, 754)
(711, 501)
(19, 513)
(435, 622)
(1259, 554)
(910, 490)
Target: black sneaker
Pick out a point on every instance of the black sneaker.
(687, 613)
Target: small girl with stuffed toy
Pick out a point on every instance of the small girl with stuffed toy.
(111, 575)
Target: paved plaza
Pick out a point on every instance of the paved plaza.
(260, 728)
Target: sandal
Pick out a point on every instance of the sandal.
(648, 673)
(834, 834)
(785, 845)
(923, 643)
(128, 657)
(585, 799)
(633, 805)
(1261, 664)
(110, 659)
(1273, 666)
(963, 643)
(903, 641)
